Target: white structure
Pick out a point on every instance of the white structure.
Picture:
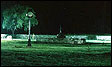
(3, 36)
(9, 37)
(103, 37)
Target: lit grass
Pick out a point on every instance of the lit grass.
(16, 53)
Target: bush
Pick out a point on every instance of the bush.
(60, 35)
(91, 37)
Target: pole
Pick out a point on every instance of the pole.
(29, 40)
(60, 29)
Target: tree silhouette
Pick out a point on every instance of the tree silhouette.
(15, 18)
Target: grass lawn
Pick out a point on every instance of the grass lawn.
(15, 53)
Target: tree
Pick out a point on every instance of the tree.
(15, 18)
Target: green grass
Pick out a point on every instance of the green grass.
(16, 53)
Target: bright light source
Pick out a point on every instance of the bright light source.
(30, 14)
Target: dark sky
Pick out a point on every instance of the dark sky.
(80, 17)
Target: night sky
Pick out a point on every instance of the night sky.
(75, 17)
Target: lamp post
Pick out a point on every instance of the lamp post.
(60, 29)
(29, 15)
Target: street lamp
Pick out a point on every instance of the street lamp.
(29, 15)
